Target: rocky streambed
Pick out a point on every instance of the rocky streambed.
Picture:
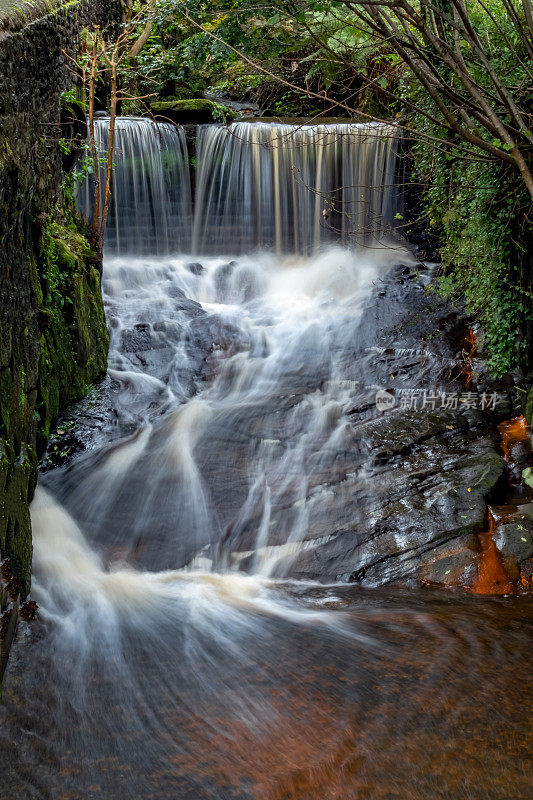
(394, 495)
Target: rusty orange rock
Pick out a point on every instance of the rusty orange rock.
(492, 577)
(512, 432)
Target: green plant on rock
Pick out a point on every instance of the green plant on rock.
(74, 339)
(480, 213)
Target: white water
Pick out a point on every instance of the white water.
(72, 575)
(151, 208)
(140, 546)
(230, 376)
(233, 382)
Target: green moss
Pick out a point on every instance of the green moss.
(35, 282)
(17, 478)
(58, 350)
(6, 155)
(74, 339)
(194, 110)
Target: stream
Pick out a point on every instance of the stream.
(199, 631)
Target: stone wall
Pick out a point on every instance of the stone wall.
(53, 339)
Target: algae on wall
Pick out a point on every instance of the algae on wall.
(74, 339)
(53, 338)
(54, 350)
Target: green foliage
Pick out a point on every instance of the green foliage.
(238, 81)
(477, 207)
(227, 44)
(71, 97)
(62, 249)
(83, 167)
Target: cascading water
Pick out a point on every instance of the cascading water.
(287, 188)
(176, 655)
(294, 188)
(151, 207)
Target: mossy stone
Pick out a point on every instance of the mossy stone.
(193, 111)
(56, 351)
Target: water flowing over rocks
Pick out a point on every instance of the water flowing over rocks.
(405, 490)
(214, 523)
(294, 470)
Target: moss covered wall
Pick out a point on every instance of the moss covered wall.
(53, 340)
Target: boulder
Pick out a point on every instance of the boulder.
(196, 268)
(514, 541)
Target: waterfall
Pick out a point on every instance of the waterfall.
(286, 188)
(292, 188)
(203, 514)
(151, 202)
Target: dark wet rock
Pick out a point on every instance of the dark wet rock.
(196, 268)
(515, 541)
(457, 565)
(222, 278)
(196, 110)
(137, 339)
(175, 291)
(29, 611)
(85, 426)
(243, 109)
(414, 499)
(190, 308)
(518, 460)
(415, 483)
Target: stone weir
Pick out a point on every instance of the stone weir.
(53, 340)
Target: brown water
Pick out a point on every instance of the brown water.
(310, 693)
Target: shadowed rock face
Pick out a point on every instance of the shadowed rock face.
(287, 468)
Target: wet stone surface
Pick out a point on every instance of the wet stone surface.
(387, 494)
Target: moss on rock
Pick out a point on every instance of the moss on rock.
(17, 482)
(53, 339)
(74, 339)
(529, 407)
(193, 110)
(53, 360)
